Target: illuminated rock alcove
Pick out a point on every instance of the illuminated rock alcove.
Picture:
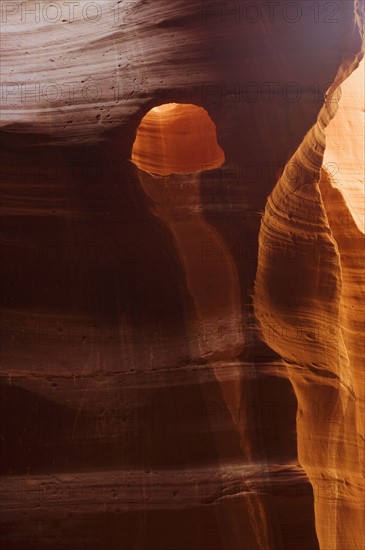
(176, 138)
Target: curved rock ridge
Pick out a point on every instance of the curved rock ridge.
(83, 70)
(310, 313)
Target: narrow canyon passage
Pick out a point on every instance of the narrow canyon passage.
(182, 247)
(217, 325)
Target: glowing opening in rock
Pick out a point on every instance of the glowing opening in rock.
(344, 157)
(177, 138)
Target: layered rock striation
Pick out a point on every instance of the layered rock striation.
(181, 324)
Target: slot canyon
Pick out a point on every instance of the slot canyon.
(182, 245)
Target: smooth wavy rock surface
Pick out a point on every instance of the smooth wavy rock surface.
(182, 358)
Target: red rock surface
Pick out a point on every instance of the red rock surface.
(176, 138)
(182, 359)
